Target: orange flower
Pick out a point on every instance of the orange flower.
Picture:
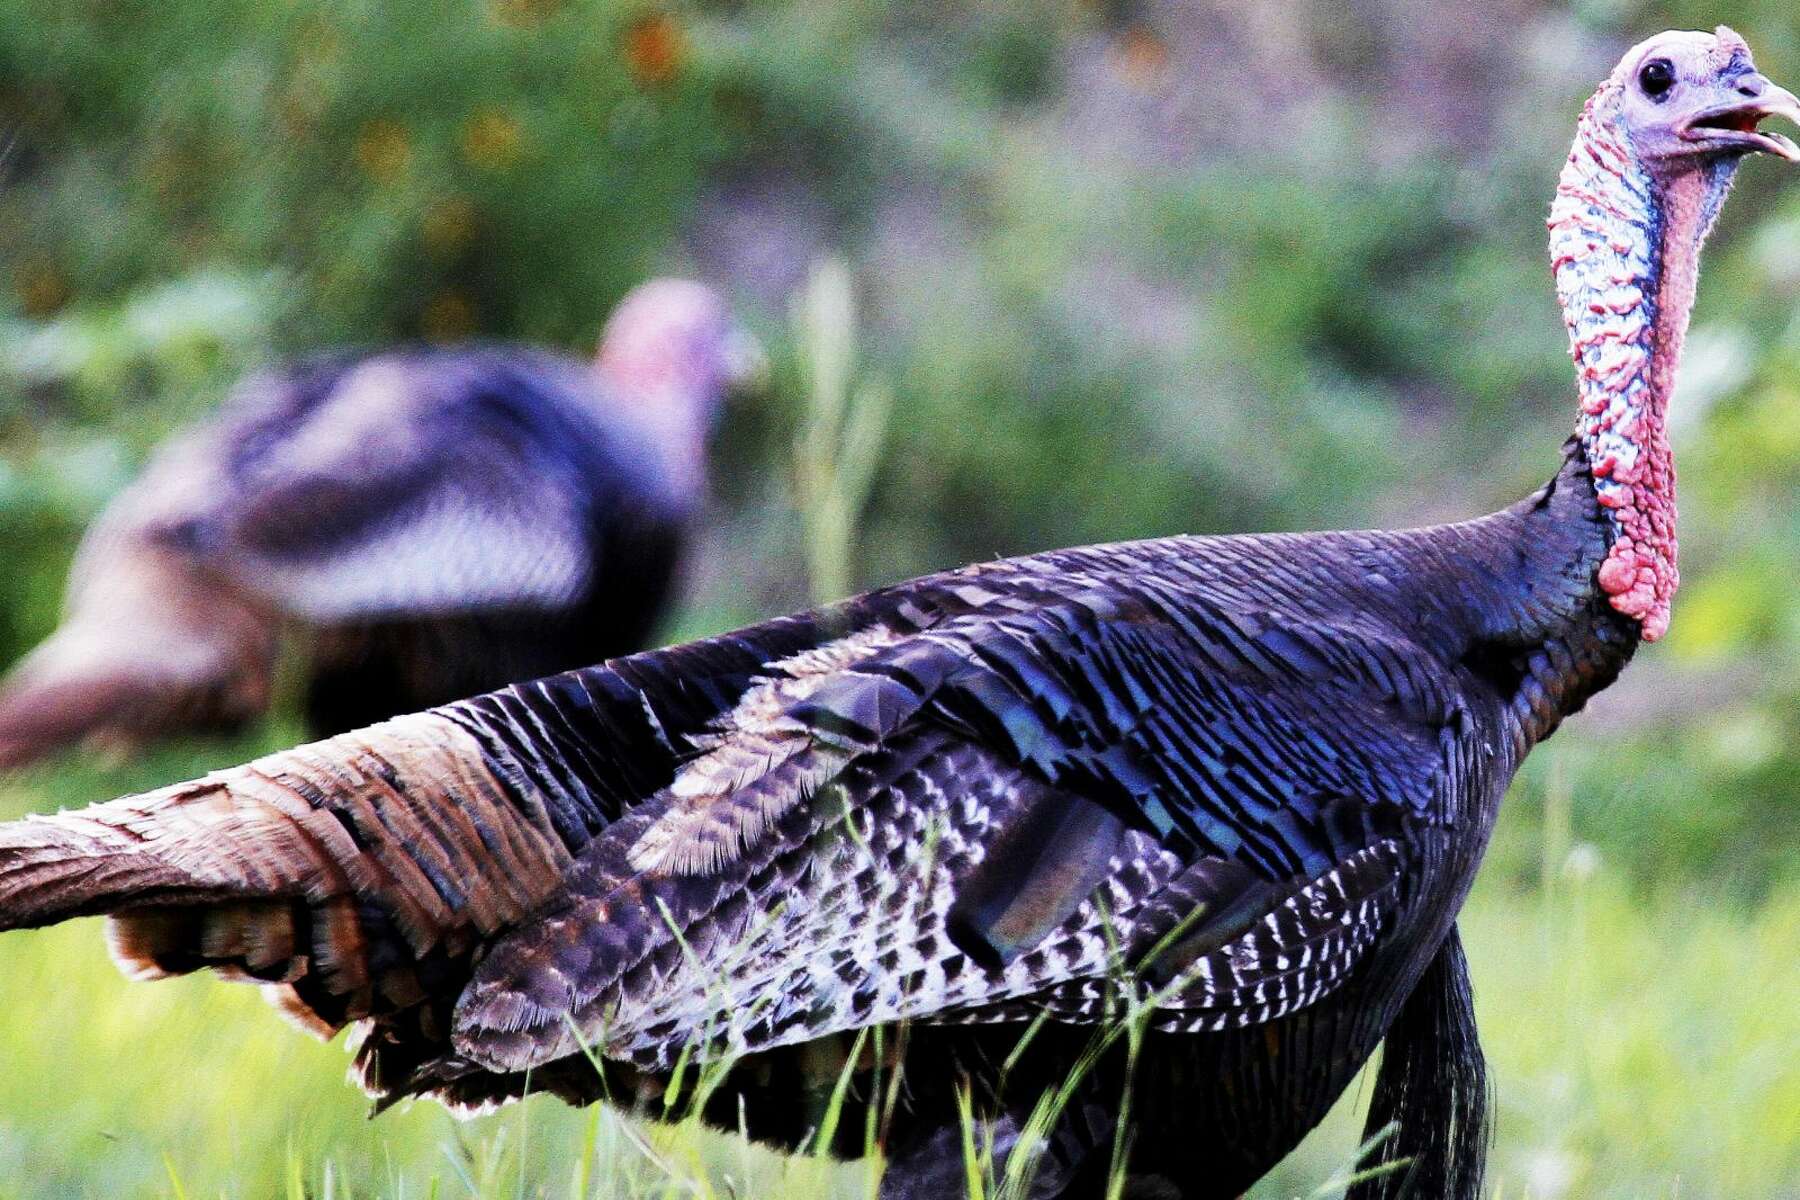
(448, 317)
(492, 140)
(654, 49)
(382, 149)
(1140, 57)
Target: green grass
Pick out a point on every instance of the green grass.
(1643, 1041)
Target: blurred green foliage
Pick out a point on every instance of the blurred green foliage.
(437, 168)
(1315, 296)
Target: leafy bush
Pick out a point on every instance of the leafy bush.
(436, 168)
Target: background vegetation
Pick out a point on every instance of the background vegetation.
(1125, 268)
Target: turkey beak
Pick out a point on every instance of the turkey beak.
(1733, 125)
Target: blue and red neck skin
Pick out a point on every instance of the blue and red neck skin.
(1639, 193)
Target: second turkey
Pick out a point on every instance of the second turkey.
(433, 522)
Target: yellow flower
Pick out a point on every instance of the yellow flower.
(382, 149)
(492, 140)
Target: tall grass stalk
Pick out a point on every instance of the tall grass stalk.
(839, 445)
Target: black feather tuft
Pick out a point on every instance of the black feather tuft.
(1433, 1088)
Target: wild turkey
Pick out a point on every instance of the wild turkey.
(439, 521)
(1256, 774)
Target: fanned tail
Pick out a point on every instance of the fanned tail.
(346, 872)
(1433, 1088)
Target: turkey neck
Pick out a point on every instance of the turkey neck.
(675, 419)
(1586, 568)
(1625, 250)
(670, 403)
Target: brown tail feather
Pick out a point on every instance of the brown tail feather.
(331, 871)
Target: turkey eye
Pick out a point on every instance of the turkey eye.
(1657, 77)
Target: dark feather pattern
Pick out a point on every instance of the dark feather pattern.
(1432, 1090)
(1034, 876)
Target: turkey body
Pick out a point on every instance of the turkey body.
(1297, 733)
(537, 531)
(959, 802)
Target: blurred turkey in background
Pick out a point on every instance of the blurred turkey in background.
(437, 522)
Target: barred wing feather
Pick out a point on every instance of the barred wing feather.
(978, 817)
